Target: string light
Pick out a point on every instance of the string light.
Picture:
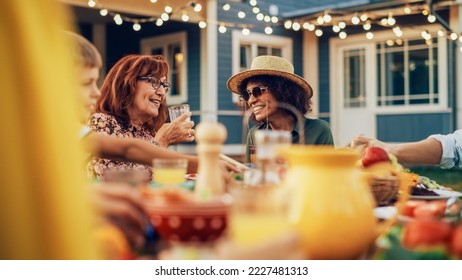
(202, 24)
(136, 26)
(324, 18)
(342, 35)
(245, 31)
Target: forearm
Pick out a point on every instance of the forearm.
(133, 150)
(428, 151)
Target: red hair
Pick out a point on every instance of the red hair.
(118, 90)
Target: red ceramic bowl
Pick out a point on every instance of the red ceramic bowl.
(187, 220)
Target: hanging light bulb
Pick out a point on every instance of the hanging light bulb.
(342, 35)
(267, 19)
(153, 1)
(222, 28)
(196, 6)
(391, 20)
(274, 19)
(202, 24)
(453, 36)
(253, 2)
(390, 43)
(91, 3)
(318, 32)
(320, 20)
(260, 16)
(355, 20)
(255, 10)
(327, 17)
(245, 31)
(118, 19)
(268, 30)
(226, 7)
(342, 24)
(159, 22)
(364, 17)
(397, 31)
(431, 18)
(103, 12)
(185, 17)
(241, 14)
(367, 25)
(399, 42)
(407, 9)
(288, 24)
(441, 33)
(136, 26)
(336, 28)
(370, 35)
(164, 16)
(425, 12)
(296, 26)
(384, 21)
(168, 9)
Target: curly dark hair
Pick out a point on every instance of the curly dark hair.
(283, 91)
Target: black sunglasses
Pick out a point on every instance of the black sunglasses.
(256, 92)
(155, 82)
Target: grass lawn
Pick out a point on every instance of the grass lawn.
(447, 177)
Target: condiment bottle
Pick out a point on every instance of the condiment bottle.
(210, 138)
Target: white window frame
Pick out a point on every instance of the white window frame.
(163, 42)
(255, 40)
(442, 105)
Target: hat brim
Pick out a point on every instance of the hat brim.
(235, 81)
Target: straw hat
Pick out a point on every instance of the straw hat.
(269, 65)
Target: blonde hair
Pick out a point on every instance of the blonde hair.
(84, 52)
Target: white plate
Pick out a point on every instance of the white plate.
(385, 212)
(442, 194)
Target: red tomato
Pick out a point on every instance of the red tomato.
(430, 210)
(409, 206)
(456, 241)
(373, 155)
(425, 232)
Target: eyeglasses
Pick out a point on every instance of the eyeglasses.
(256, 92)
(155, 82)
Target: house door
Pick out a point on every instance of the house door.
(353, 92)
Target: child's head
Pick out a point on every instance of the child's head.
(88, 62)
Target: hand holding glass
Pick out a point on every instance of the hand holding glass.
(175, 111)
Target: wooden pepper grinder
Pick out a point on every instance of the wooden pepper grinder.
(210, 138)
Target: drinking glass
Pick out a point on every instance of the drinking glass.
(258, 214)
(178, 110)
(133, 177)
(169, 171)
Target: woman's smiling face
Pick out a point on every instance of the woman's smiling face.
(264, 105)
(147, 101)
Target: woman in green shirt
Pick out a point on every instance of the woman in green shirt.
(269, 82)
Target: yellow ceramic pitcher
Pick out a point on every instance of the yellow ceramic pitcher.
(332, 206)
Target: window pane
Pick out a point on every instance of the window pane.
(175, 60)
(158, 51)
(262, 50)
(245, 57)
(276, 52)
(419, 72)
(354, 85)
(394, 78)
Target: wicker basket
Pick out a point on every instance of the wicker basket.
(384, 189)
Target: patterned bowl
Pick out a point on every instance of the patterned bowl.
(178, 217)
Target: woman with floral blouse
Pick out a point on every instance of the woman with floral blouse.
(133, 105)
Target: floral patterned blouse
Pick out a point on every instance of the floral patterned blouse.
(108, 124)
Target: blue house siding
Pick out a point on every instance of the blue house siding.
(413, 127)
